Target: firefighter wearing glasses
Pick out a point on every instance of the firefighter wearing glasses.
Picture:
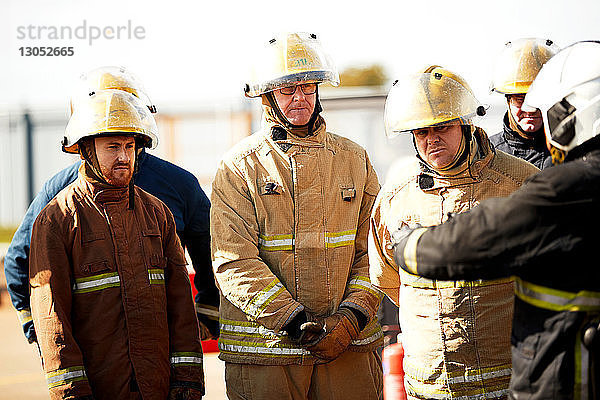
(110, 294)
(456, 336)
(516, 68)
(545, 234)
(289, 222)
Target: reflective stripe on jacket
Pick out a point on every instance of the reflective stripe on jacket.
(289, 232)
(174, 186)
(456, 335)
(546, 234)
(110, 296)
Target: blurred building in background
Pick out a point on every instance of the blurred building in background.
(193, 136)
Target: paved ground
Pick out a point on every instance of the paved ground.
(20, 370)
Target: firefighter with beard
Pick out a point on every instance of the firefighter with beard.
(516, 68)
(289, 222)
(176, 187)
(110, 294)
(456, 337)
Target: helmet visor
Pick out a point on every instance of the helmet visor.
(291, 59)
(424, 100)
(110, 112)
(519, 63)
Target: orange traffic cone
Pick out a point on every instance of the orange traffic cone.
(393, 372)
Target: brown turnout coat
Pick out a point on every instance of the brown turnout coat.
(110, 296)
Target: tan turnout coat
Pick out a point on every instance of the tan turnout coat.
(456, 335)
(289, 223)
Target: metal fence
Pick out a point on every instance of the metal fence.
(193, 137)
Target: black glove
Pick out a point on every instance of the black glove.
(302, 331)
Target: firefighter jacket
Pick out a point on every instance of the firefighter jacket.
(289, 222)
(176, 187)
(110, 295)
(531, 150)
(455, 335)
(546, 235)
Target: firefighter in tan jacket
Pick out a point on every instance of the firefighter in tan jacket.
(456, 335)
(110, 296)
(289, 225)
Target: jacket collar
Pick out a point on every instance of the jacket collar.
(97, 191)
(537, 142)
(285, 142)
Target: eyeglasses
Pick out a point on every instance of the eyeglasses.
(307, 88)
(516, 99)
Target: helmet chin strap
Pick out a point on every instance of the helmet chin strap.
(514, 125)
(88, 152)
(138, 148)
(285, 122)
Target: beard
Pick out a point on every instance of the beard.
(119, 174)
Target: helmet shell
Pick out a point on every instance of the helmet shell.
(291, 59)
(109, 77)
(567, 91)
(432, 97)
(519, 63)
(110, 112)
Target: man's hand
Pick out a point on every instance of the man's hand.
(180, 393)
(402, 232)
(205, 333)
(340, 328)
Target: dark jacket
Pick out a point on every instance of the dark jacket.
(533, 151)
(546, 235)
(176, 187)
(110, 296)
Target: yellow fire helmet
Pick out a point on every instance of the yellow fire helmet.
(432, 97)
(290, 59)
(110, 77)
(110, 112)
(519, 63)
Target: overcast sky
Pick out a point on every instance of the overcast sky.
(196, 52)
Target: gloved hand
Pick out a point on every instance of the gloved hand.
(402, 232)
(302, 331)
(209, 328)
(181, 393)
(340, 328)
(204, 332)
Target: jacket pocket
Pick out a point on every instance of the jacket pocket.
(95, 267)
(95, 276)
(152, 243)
(88, 237)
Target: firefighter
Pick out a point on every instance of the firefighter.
(289, 222)
(545, 234)
(456, 337)
(110, 294)
(515, 69)
(176, 187)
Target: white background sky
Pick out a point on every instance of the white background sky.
(196, 52)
